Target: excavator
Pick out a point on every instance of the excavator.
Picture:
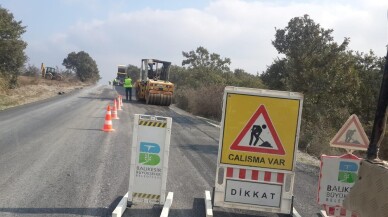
(153, 85)
(50, 73)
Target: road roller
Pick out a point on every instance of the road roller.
(153, 85)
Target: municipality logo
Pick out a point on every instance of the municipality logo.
(347, 172)
(149, 154)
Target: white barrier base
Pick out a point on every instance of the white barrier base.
(120, 208)
(208, 204)
(167, 204)
(323, 213)
(295, 213)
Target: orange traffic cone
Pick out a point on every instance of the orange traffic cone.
(108, 121)
(114, 111)
(119, 102)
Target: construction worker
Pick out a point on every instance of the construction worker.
(128, 87)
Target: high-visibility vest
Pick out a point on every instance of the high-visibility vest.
(128, 82)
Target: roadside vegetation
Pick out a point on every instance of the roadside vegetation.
(336, 81)
(21, 82)
(201, 80)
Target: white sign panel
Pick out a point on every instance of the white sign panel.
(254, 193)
(149, 159)
(338, 175)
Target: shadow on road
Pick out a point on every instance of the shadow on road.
(83, 129)
(206, 149)
(52, 211)
(71, 211)
(100, 98)
(197, 210)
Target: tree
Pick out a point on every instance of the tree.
(322, 70)
(200, 85)
(31, 70)
(370, 70)
(12, 57)
(241, 78)
(201, 58)
(133, 72)
(205, 68)
(179, 76)
(316, 66)
(83, 65)
(276, 75)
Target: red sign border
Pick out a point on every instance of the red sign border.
(263, 111)
(353, 118)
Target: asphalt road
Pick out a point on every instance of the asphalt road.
(56, 161)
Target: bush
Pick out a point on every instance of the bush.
(181, 97)
(3, 85)
(315, 138)
(205, 101)
(32, 71)
(27, 80)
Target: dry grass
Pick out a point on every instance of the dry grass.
(205, 101)
(33, 89)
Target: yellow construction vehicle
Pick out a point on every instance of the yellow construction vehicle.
(50, 73)
(153, 85)
(121, 75)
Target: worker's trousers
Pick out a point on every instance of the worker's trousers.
(128, 92)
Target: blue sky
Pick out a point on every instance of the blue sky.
(118, 32)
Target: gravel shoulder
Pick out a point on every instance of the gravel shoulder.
(32, 89)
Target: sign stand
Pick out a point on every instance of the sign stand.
(259, 135)
(149, 164)
(208, 204)
(338, 174)
(343, 169)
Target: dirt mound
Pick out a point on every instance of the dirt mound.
(33, 89)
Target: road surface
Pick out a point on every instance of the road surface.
(56, 161)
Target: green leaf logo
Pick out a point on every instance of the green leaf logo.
(149, 154)
(347, 172)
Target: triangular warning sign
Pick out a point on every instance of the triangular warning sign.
(351, 135)
(259, 135)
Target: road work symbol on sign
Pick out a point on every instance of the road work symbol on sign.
(259, 135)
(351, 135)
(149, 154)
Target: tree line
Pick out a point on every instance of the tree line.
(13, 57)
(335, 80)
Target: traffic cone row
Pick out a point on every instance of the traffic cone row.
(112, 114)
